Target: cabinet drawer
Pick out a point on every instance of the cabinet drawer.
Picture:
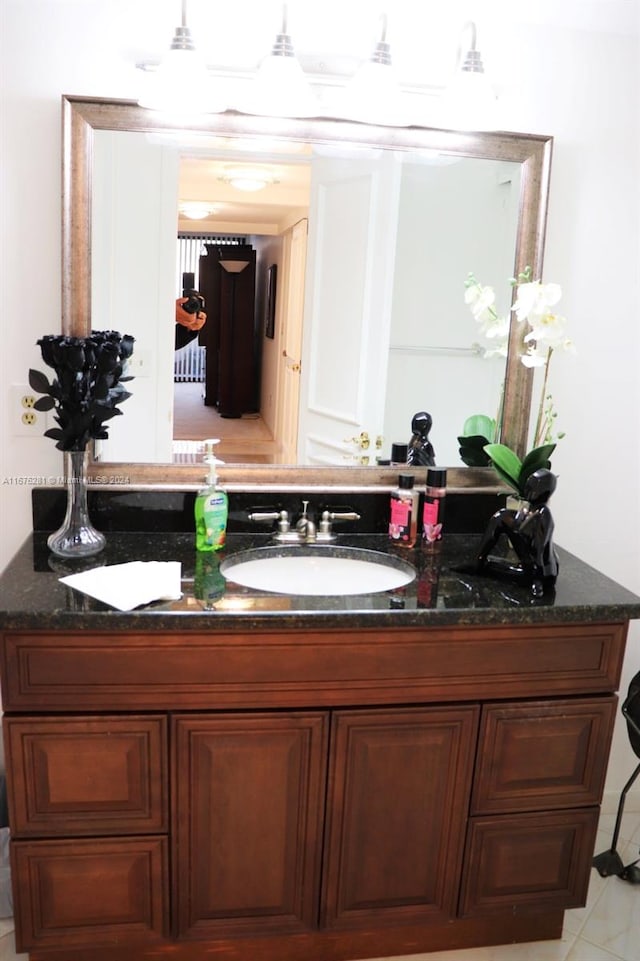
(293, 668)
(542, 755)
(78, 776)
(89, 893)
(528, 863)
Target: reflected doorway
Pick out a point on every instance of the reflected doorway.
(243, 440)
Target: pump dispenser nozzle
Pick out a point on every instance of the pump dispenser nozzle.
(211, 459)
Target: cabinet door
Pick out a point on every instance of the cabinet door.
(80, 776)
(528, 863)
(250, 800)
(398, 798)
(543, 755)
(87, 893)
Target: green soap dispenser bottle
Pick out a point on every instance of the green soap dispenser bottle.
(211, 507)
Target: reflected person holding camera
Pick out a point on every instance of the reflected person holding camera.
(190, 317)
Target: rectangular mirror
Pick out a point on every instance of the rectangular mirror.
(445, 203)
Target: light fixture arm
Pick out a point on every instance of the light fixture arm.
(182, 39)
(282, 45)
(472, 62)
(382, 50)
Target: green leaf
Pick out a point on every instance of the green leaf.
(535, 459)
(480, 424)
(506, 464)
(474, 442)
(38, 382)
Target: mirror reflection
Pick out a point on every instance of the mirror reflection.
(378, 300)
(370, 247)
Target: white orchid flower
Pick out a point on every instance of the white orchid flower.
(534, 299)
(499, 327)
(533, 357)
(480, 299)
(547, 333)
(548, 330)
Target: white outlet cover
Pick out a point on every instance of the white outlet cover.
(19, 428)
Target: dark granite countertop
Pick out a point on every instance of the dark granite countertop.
(32, 597)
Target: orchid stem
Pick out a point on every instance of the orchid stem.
(537, 440)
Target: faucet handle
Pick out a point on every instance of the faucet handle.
(340, 516)
(325, 533)
(281, 516)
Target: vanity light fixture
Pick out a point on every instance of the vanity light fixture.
(196, 209)
(469, 103)
(181, 84)
(280, 88)
(248, 178)
(373, 94)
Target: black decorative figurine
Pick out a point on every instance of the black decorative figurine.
(421, 452)
(530, 533)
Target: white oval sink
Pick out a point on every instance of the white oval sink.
(317, 570)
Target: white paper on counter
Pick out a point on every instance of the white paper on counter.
(125, 586)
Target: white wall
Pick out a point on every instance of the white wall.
(453, 219)
(578, 84)
(135, 203)
(269, 250)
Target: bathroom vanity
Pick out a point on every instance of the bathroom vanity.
(245, 775)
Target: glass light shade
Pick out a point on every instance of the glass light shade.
(373, 96)
(281, 89)
(194, 210)
(181, 86)
(470, 103)
(233, 266)
(247, 184)
(249, 179)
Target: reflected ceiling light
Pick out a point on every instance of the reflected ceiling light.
(280, 88)
(373, 94)
(234, 266)
(469, 103)
(181, 84)
(196, 209)
(249, 178)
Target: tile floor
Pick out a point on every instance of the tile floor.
(606, 929)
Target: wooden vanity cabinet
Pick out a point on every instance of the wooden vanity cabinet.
(373, 794)
(249, 794)
(397, 808)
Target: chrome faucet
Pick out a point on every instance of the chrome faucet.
(305, 530)
(306, 526)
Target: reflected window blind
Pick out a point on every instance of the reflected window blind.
(189, 250)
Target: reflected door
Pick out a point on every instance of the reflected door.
(351, 255)
(288, 388)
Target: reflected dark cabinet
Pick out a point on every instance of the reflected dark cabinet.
(231, 333)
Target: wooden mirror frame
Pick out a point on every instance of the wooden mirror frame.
(83, 115)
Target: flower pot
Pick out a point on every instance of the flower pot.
(77, 537)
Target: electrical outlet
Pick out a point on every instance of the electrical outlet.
(25, 420)
(139, 364)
